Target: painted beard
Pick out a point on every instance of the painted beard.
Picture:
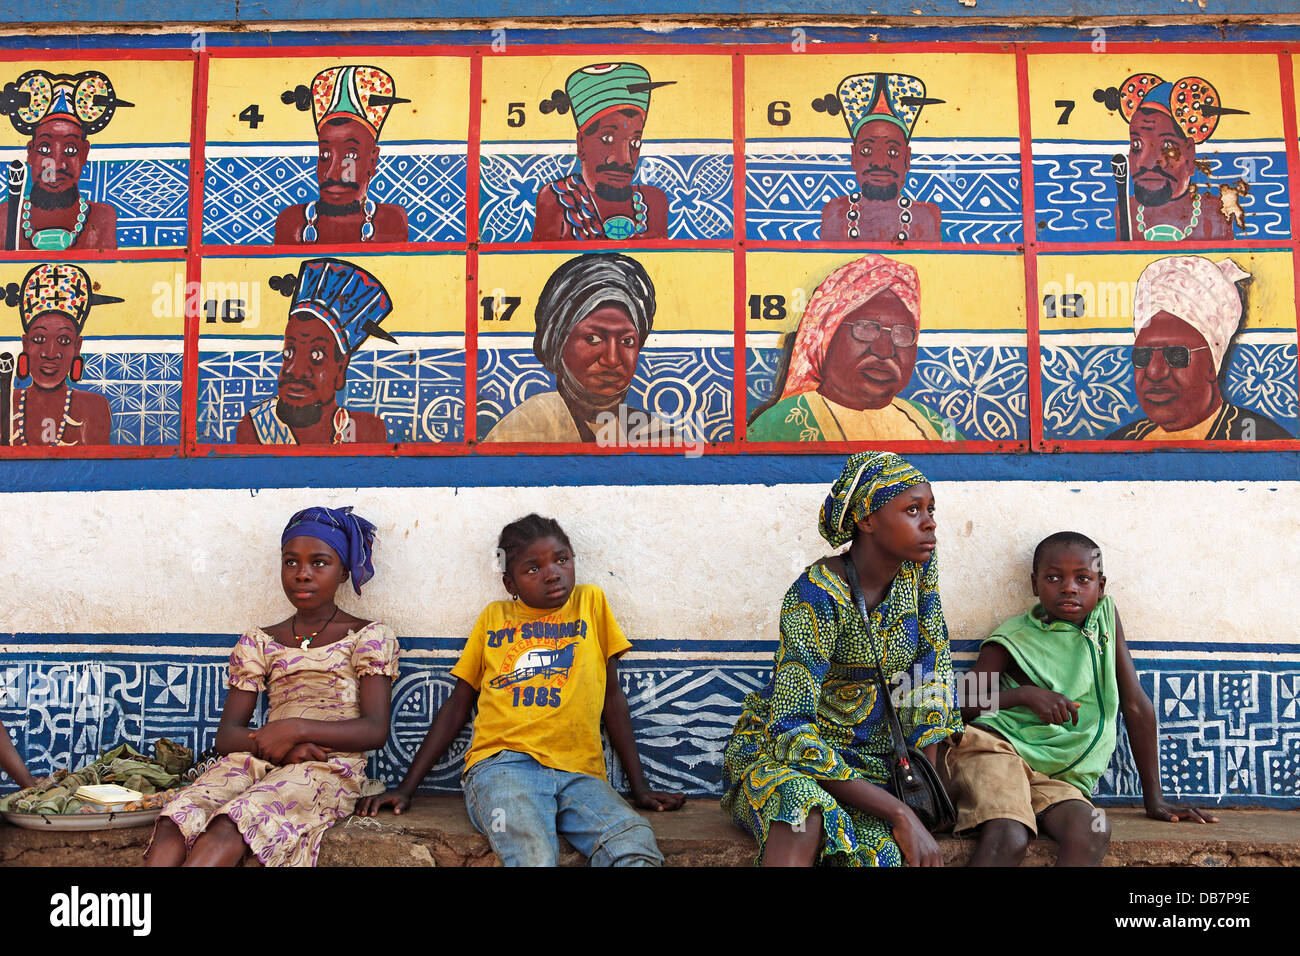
(880, 193)
(298, 416)
(1154, 197)
(614, 193)
(45, 199)
(346, 209)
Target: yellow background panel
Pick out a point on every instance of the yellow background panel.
(438, 88)
(428, 293)
(1108, 283)
(693, 290)
(696, 106)
(147, 288)
(978, 90)
(160, 89)
(1244, 81)
(962, 291)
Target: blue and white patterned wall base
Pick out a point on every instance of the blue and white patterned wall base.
(684, 386)
(978, 193)
(984, 390)
(243, 194)
(1229, 731)
(419, 393)
(1074, 188)
(697, 184)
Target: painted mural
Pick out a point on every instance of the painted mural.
(648, 250)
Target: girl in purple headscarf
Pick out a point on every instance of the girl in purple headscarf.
(327, 676)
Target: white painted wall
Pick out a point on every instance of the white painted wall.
(1206, 563)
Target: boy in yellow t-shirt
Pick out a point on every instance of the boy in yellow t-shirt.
(543, 668)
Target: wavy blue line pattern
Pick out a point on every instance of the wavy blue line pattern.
(1088, 390)
(1074, 195)
(690, 387)
(698, 190)
(978, 195)
(420, 394)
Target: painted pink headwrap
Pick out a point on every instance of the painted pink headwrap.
(840, 293)
(1200, 292)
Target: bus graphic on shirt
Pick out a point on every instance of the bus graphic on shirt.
(544, 662)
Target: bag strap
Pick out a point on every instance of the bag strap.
(896, 728)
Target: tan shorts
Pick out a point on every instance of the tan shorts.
(993, 782)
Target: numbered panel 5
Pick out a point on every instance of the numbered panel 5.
(332, 350)
(882, 148)
(616, 150)
(616, 351)
(886, 347)
(1191, 145)
(98, 153)
(336, 150)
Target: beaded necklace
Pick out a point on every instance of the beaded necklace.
(310, 217)
(1167, 232)
(54, 239)
(904, 216)
(20, 430)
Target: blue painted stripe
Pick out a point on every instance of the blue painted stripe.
(539, 471)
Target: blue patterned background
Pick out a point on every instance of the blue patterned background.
(1229, 735)
(1074, 194)
(978, 195)
(242, 196)
(420, 394)
(1088, 390)
(690, 386)
(983, 389)
(143, 391)
(699, 191)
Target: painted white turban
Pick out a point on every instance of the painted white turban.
(1200, 292)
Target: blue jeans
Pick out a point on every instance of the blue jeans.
(523, 807)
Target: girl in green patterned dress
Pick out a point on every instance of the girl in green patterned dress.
(805, 768)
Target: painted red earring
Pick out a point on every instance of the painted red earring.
(75, 373)
(22, 365)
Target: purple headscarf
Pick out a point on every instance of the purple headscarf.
(351, 536)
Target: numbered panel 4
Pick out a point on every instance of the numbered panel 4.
(574, 148)
(332, 350)
(336, 150)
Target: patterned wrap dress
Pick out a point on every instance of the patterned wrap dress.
(282, 812)
(818, 717)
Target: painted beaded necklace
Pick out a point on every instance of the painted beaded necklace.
(20, 418)
(904, 216)
(310, 217)
(54, 239)
(1166, 232)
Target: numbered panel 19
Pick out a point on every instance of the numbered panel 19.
(1155, 347)
(611, 149)
(882, 148)
(607, 349)
(332, 350)
(336, 150)
(882, 347)
(91, 353)
(1191, 145)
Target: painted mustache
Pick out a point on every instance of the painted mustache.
(341, 184)
(616, 168)
(1154, 169)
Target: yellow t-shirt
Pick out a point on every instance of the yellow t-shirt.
(540, 675)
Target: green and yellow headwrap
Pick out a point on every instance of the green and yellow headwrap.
(869, 479)
(595, 90)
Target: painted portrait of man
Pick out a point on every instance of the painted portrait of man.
(603, 200)
(880, 111)
(59, 112)
(1185, 312)
(335, 307)
(349, 105)
(853, 353)
(592, 320)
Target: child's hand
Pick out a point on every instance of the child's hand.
(1049, 706)
(369, 806)
(1160, 810)
(274, 740)
(304, 752)
(657, 800)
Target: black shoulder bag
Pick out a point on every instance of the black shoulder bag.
(913, 778)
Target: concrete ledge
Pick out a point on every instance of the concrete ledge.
(437, 832)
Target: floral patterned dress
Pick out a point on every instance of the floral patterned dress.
(282, 812)
(818, 717)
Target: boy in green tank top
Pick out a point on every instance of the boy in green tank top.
(1063, 674)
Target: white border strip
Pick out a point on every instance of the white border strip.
(104, 153)
(232, 343)
(1066, 337)
(767, 147)
(650, 149)
(1121, 146)
(311, 150)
